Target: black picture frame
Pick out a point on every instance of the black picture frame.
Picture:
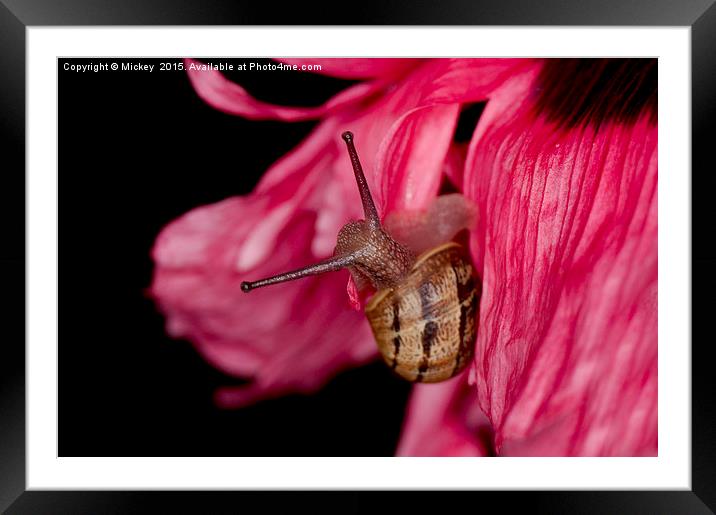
(17, 15)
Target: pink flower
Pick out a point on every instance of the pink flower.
(562, 170)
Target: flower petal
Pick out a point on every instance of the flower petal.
(566, 358)
(469, 80)
(454, 165)
(294, 336)
(298, 182)
(421, 230)
(444, 419)
(227, 96)
(415, 152)
(411, 161)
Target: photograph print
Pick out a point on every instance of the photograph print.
(358, 257)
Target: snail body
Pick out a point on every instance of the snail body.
(424, 312)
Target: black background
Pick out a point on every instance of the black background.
(136, 150)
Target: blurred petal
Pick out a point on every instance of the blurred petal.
(292, 337)
(227, 96)
(354, 294)
(300, 181)
(444, 419)
(469, 80)
(566, 359)
(454, 165)
(421, 230)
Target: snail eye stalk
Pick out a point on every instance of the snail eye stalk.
(342, 260)
(329, 265)
(371, 213)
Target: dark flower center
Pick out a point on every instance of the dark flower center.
(575, 92)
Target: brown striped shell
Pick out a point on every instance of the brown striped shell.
(426, 326)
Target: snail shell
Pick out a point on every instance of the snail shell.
(425, 327)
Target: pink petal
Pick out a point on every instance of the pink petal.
(469, 80)
(300, 181)
(454, 165)
(415, 150)
(411, 160)
(354, 295)
(444, 419)
(421, 230)
(265, 336)
(566, 358)
(227, 96)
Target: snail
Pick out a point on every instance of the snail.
(424, 312)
